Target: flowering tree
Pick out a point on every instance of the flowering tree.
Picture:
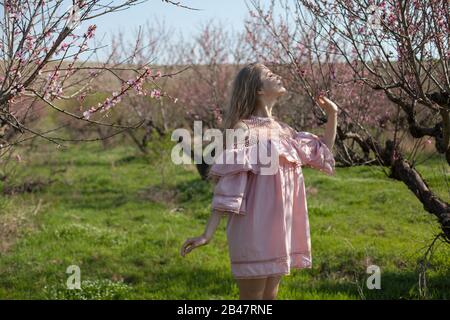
(41, 45)
(149, 105)
(309, 66)
(398, 48)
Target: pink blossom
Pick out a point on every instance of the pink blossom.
(87, 114)
(90, 32)
(155, 94)
(83, 47)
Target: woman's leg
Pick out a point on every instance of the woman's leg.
(251, 289)
(271, 288)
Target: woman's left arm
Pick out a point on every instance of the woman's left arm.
(331, 110)
(330, 130)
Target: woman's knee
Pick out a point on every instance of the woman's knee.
(271, 287)
(251, 289)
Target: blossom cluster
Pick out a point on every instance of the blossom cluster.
(136, 84)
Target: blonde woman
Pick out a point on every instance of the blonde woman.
(268, 227)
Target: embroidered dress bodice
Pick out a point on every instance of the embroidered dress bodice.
(263, 127)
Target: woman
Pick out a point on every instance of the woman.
(268, 227)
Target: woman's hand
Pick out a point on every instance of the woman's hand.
(329, 106)
(193, 243)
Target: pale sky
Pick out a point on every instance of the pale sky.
(231, 11)
(187, 22)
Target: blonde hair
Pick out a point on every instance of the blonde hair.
(243, 95)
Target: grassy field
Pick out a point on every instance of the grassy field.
(122, 218)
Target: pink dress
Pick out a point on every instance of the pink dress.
(268, 228)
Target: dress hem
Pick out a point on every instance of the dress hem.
(273, 274)
(266, 268)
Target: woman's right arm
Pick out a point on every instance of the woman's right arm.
(227, 200)
(212, 224)
(207, 235)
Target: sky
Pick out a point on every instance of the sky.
(184, 21)
(232, 11)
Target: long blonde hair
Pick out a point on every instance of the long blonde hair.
(243, 95)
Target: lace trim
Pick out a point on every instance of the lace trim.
(278, 259)
(264, 127)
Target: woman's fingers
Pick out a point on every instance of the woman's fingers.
(320, 100)
(326, 104)
(191, 244)
(184, 247)
(189, 249)
(187, 246)
(323, 100)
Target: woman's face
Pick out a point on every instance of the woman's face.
(272, 85)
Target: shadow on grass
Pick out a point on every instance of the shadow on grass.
(393, 285)
(194, 283)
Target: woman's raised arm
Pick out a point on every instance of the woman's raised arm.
(331, 110)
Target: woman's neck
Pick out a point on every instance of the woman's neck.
(264, 111)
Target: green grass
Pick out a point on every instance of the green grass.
(122, 218)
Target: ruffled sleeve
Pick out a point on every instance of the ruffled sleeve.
(231, 178)
(315, 153)
(229, 193)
